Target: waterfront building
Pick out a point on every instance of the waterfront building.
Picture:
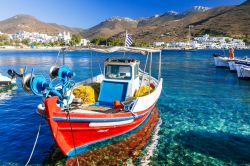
(41, 37)
(84, 42)
(65, 36)
(159, 44)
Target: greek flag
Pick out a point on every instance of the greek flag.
(128, 40)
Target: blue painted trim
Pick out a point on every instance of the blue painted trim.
(84, 148)
(98, 119)
(243, 63)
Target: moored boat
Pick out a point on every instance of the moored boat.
(232, 63)
(243, 69)
(223, 61)
(245, 72)
(7, 81)
(103, 107)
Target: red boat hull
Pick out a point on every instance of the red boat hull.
(74, 133)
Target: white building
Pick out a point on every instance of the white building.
(158, 44)
(220, 42)
(84, 42)
(65, 36)
(41, 37)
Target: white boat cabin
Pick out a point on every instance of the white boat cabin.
(121, 79)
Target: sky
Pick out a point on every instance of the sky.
(87, 13)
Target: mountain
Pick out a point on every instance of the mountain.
(111, 27)
(31, 24)
(197, 9)
(170, 26)
(246, 2)
(232, 22)
(225, 20)
(117, 25)
(158, 19)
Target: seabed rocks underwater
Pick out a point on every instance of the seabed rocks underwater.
(127, 151)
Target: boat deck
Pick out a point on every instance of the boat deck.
(93, 109)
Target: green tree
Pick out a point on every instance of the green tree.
(99, 41)
(115, 41)
(227, 40)
(246, 39)
(75, 39)
(17, 41)
(141, 44)
(5, 40)
(6, 43)
(4, 37)
(26, 42)
(61, 43)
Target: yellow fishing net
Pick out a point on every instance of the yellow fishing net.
(143, 91)
(88, 93)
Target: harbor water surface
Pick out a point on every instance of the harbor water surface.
(205, 111)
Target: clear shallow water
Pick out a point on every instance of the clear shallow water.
(205, 112)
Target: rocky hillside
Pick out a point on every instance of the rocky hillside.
(232, 21)
(171, 26)
(225, 20)
(31, 24)
(177, 29)
(110, 27)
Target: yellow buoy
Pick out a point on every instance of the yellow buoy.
(21, 70)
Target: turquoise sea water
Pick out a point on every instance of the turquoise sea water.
(205, 110)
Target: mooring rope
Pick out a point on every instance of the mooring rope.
(72, 134)
(34, 146)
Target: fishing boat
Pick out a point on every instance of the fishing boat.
(232, 63)
(7, 81)
(243, 69)
(223, 61)
(114, 103)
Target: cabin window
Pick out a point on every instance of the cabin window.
(118, 72)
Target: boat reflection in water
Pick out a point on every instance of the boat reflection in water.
(127, 149)
(6, 91)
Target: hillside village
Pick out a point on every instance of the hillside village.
(205, 42)
(24, 39)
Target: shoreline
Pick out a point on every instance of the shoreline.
(40, 49)
(84, 48)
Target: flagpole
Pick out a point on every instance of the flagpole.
(126, 32)
(125, 43)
